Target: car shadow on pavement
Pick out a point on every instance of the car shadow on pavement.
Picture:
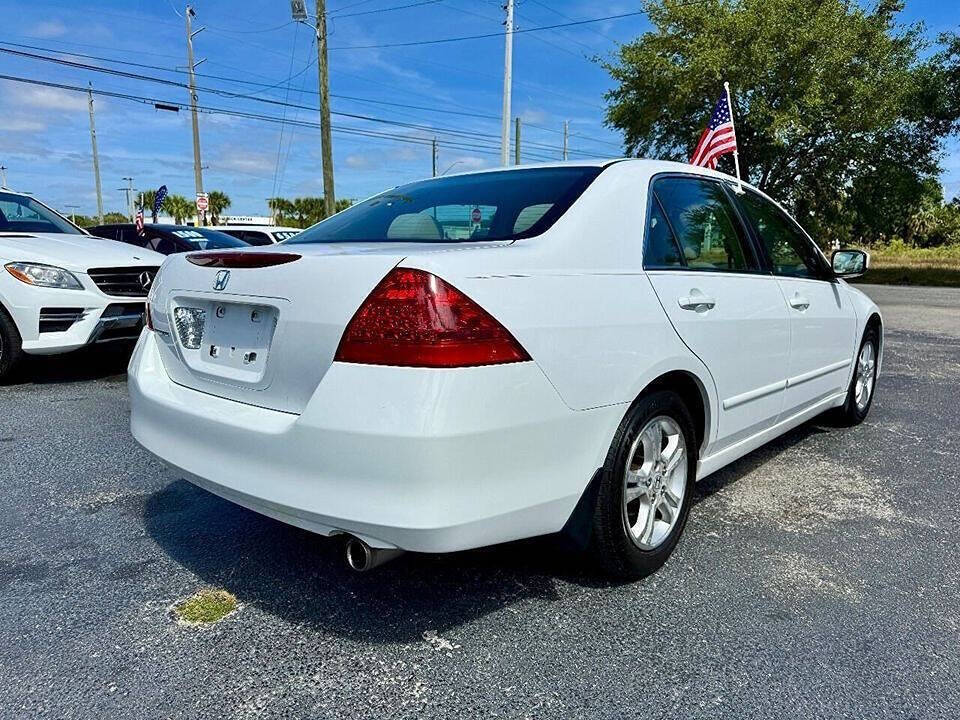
(751, 461)
(90, 363)
(302, 577)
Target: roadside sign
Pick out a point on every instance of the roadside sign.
(202, 202)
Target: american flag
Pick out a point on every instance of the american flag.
(158, 199)
(718, 137)
(138, 221)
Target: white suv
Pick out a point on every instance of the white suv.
(60, 288)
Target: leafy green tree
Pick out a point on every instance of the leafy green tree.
(179, 208)
(112, 218)
(219, 201)
(303, 211)
(836, 107)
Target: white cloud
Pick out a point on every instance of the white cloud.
(534, 116)
(242, 161)
(50, 29)
(11, 124)
(46, 98)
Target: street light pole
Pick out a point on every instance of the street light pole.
(129, 191)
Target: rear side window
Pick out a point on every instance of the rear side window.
(252, 237)
(500, 205)
(790, 252)
(704, 225)
(660, 249)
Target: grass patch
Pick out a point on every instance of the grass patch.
(205, 607)
(904, 265)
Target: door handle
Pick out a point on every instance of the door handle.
(798, 302)
(696, 302)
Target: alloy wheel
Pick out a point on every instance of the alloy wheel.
(863, 385)
(654, 482)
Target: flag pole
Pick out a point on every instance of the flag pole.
(733, 126)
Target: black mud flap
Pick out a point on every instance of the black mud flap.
(579, 526)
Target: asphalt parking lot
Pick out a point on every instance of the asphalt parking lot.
(818, 577)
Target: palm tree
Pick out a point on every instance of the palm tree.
(922, 221)
(219, 201)
(147, 197)
(280, 208)
(178, 207)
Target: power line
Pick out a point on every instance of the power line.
(280, 85)
(386, 9)
(470, 144)
(270, 101)
(482, 36)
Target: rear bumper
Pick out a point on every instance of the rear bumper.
(424, 460)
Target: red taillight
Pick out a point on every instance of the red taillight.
(415, 319)
(241, 259)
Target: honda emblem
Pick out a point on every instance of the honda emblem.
(223, 277)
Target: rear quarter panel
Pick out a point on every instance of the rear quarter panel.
(577, 298)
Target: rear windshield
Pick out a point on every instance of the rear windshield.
(206, 239)
(500, 205)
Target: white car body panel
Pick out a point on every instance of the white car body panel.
(77, 254)
(442, 460)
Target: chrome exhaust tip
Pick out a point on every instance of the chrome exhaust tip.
(361, 557)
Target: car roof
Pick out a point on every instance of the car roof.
(155, 226)
(261, 228)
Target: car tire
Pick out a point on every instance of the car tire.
(10, 345)
(627, 542)
(854, 411)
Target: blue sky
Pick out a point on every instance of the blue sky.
(44, 136)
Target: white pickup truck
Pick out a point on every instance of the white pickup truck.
(61, 288)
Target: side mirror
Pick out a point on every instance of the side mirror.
(850, 263)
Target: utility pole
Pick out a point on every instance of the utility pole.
(96, 156)
(326, 149)
(516, 144)
(507, 86)
(73, 212)
(566, 133)
(434, 158)
(191, 66)
(3, 176)
(129, 191)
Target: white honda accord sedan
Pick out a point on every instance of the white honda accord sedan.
(496, 355)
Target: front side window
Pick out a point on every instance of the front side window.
(498, 205)
(790, 252)
(704, 224)
(21, 213)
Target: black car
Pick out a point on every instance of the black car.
(168, 239)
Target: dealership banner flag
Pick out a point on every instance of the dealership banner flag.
(158, 199)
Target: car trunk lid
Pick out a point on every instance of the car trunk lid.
(258, 333)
